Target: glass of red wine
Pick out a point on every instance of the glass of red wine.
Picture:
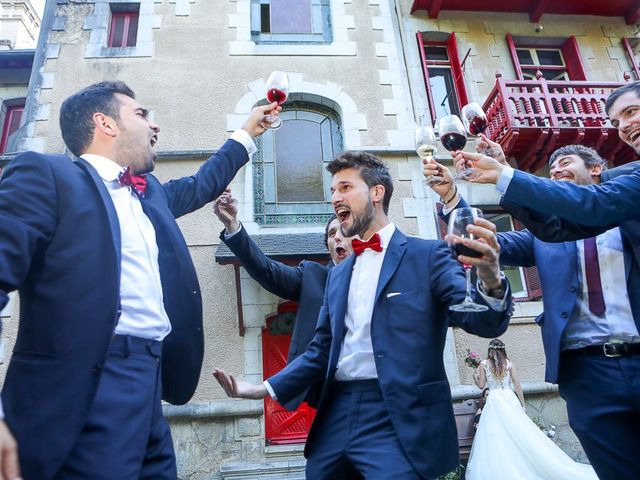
(453, 137)
(474, 119)
(459, 219)
(277, 91)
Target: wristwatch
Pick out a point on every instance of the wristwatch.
(495, 292)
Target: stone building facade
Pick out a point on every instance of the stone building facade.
(355, 69)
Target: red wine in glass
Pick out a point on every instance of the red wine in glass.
(276, 95)
(453, 141)
(277, 91)
(477, 125)
(461, 249)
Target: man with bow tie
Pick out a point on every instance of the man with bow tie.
(110, 306)
(385, 410)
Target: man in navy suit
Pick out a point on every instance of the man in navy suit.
(385, 410)
(108, 293)
(303, 284)
(577, 332)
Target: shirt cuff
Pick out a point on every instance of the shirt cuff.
(269, 388)
(495, 304)
(243, 137)
(1, 411)
(447, 210)
(227, 236)
(504, 180)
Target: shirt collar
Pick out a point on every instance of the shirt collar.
(386, 233)
(106, 168)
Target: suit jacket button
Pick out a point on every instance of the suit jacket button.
(380, 355)
(564, 315)
(96, 369)
(573, 288)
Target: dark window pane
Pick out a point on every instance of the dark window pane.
(549, 57)
(117, 30)
(434, 53)
(299, 162)
(504, 223)
(14, 119)
(291, 16)
(443, 91)
(265, 21)
(132, 35)
(524, 57)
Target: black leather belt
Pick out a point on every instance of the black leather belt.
(611, 350)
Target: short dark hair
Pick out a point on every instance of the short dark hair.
(618, 92)
(589, 156)
(326, 229)
(76, 113)
(372, 170)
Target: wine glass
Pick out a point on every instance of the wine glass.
(459, 219)
(453, 137)
(277, 91)
(426, 146)
(474, 119)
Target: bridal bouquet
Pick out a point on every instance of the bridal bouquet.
(472, 359)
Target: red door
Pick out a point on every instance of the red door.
(282, 426)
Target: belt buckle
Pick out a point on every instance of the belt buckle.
(614, 352)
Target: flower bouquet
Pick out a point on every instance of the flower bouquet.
(472, 359)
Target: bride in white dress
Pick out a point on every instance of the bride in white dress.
(507, 444)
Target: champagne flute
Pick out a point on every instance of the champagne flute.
(453, 137)
(459, 219)
(426, 146)
(277, 91)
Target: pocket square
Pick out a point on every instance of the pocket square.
(393, 294)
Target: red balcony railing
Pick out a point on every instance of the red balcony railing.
(532, 118)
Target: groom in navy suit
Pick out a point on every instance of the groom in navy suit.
(385, 410)
(585, 319)
(110, 306)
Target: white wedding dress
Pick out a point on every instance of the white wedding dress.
(509, 446)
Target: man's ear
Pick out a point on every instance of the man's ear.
(596, 170)
(105, 124)
(377, 194)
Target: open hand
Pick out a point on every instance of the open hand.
(237, 389)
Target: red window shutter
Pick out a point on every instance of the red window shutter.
(632, 58)
(514, 57)
(11, 124)
(572, 59)
(425, 73)
(124, 29)
(531, 277)
(456, 69)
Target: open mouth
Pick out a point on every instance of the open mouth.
(634, 135)
(341, 253)
(565, 178)
(153, 141)
(343, 214)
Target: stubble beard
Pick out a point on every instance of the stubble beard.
(360, 222)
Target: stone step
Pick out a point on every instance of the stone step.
(291, 469)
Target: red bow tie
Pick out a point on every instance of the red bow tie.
(373, 243)
(138, 183)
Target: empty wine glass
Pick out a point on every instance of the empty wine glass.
(457, 230)
(277, 91)
(426, 146)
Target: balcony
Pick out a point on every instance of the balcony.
(532, 118)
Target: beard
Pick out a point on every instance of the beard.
(361, 221)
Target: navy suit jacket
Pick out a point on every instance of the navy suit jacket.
(408, 334)
(60, 248)
(303, 284)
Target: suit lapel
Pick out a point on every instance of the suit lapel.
(108, 205)
(395, 251)
(339, 294)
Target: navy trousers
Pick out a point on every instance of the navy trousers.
(355, 438)
(125, 437)
(603, 403)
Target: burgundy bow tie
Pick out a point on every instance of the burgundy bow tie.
(138, 183)
(373, 243)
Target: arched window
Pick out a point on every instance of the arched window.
(291, 184)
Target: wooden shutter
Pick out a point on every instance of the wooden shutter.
(514, 57)
(572, 59)
(425, 73)
(456, 70)
(531, 277)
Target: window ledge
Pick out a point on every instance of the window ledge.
(344, 48)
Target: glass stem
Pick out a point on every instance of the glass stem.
(467, 274)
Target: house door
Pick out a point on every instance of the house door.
(282, 426)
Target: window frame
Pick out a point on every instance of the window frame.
(453, 63)
(569, 50)
(320, 18)
(128, 12)
(269, 211)
(635, 67)
(10, 111)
